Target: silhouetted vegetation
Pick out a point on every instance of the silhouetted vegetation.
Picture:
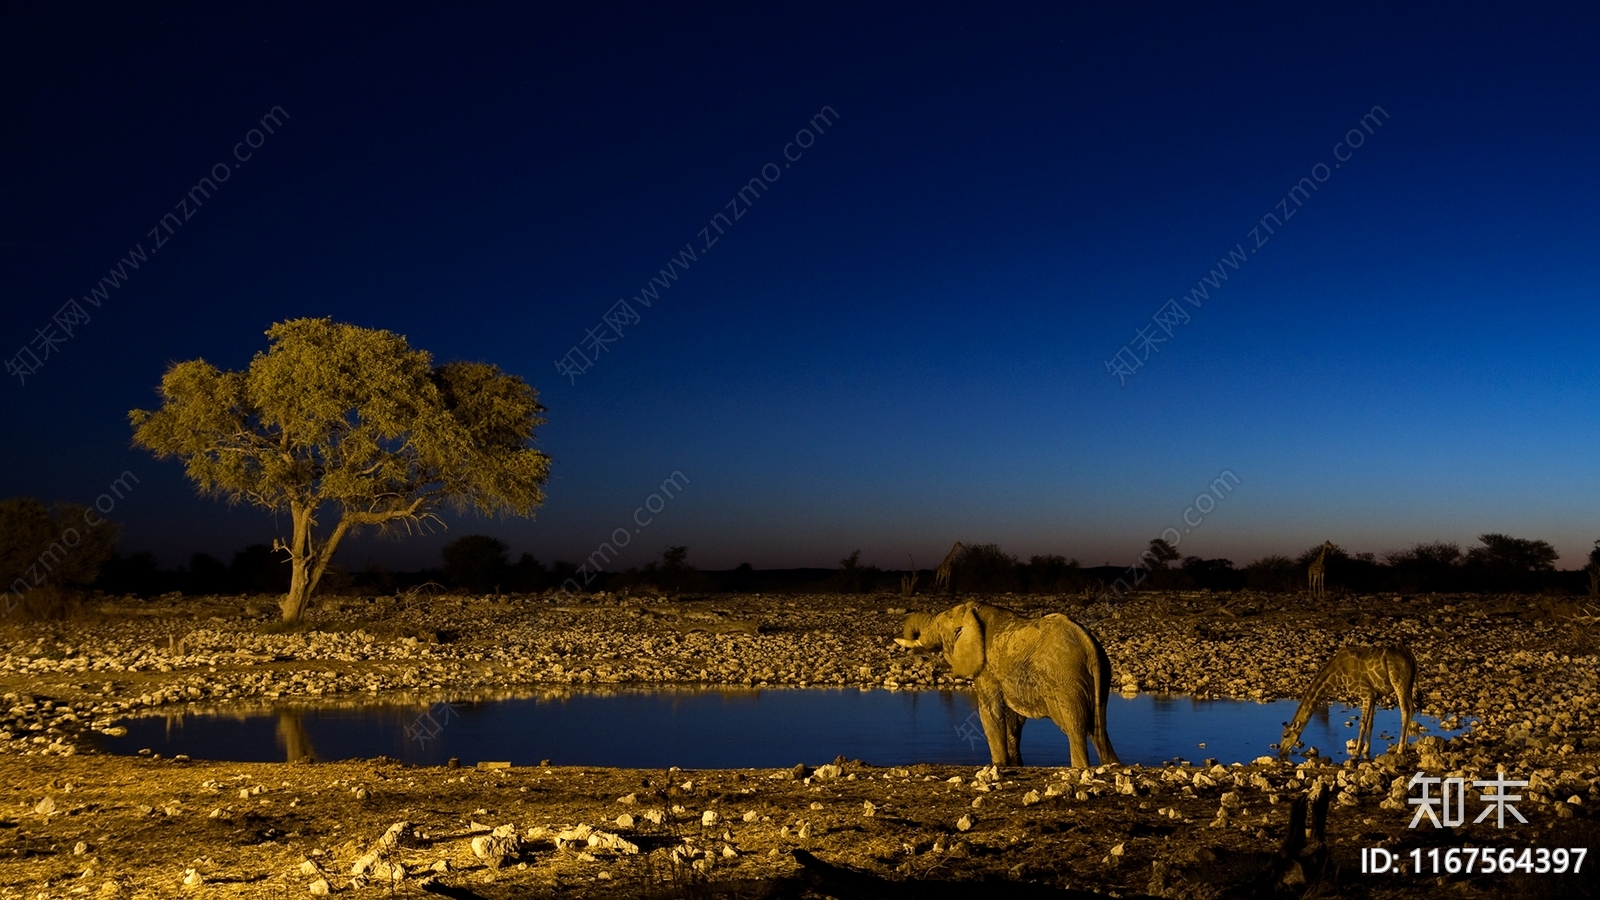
(672, 575)
(48, 555)
(480, 564)
(1274, 573)
(476, 563)
(986, 569)
(853, 577)
(1053, 575)
(1212, 574)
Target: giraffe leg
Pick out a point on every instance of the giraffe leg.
(1369, 706)
(1403, 699)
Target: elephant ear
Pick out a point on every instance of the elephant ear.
(966, 653)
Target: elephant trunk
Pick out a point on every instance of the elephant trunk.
(912, 632)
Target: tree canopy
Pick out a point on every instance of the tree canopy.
(354, 419)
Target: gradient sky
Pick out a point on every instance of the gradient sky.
(903, 342)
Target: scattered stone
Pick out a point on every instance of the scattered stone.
(380, 848)
(320, 887)
(964, 823)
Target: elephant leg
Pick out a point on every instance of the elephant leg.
(1074, 723)
(1102, 746)
(1369, 708)
(992, 713)
(1097, 722)
(1014, 722)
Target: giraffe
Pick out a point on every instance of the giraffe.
(1316, 571)
(1363, 673)
(941, 578)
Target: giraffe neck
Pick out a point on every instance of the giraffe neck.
(1314, 695)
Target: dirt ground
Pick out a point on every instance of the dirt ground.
(74, 822)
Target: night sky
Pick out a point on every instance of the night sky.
(908, 332)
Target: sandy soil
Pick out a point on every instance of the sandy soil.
(73, 822)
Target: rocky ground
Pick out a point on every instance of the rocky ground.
(74, 822)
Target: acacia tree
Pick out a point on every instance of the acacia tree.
(353, 420)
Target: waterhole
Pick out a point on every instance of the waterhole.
(706, 729)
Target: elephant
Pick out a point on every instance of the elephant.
(1023, 668)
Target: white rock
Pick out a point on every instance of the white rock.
(709, 818)
(964, 823)
(320, 887)
(605, 840)
(624, 821)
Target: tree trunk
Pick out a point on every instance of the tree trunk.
(307, 561)
(300, 559)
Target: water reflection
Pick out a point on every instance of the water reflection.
(698, 728)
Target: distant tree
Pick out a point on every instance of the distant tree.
(1052, 574)
(1506, 563)
(528, 576)
(258, 570)
(207, 575)
(673, 558)
(853, 577)
(47, 553)
(1160, 553)
(476, 562)
(134, 574)
(1213, 574)
(1593, 570)
(353, 419)
(743, 579)
(986, 568)
(1432, 567)
(1275, 573)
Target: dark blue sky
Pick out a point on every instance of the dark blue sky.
(903, 341)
